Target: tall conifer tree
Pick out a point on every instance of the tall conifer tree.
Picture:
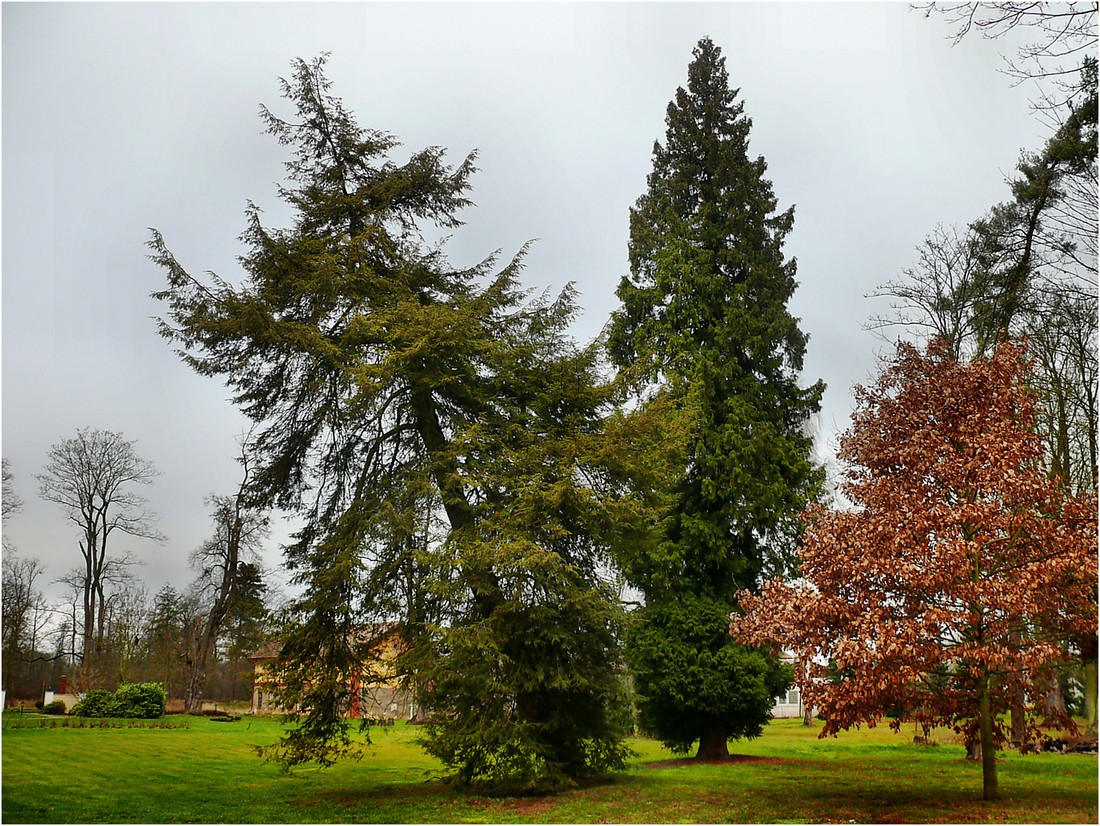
(704, 318)
(380, 377)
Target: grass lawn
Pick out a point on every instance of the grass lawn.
(208, 773)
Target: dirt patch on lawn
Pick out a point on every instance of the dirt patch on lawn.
(733, 759)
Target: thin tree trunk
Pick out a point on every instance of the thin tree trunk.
(1055, 703)
(1017, 702)
(72, 640)
(101, 637)
(87, 660)
(985, 733)
(1090, 696)
(194, 676)
(206, 636)
(807, 709)
(196, 685)
(974, 751)
(1018, 724)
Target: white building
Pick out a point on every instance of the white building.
(789, 704)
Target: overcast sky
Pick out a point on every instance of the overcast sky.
(120, 117)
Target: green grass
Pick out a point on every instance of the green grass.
(209, 773)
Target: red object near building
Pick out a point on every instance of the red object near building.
(375, 692)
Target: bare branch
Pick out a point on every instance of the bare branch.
(1064, 34)
(90, 477)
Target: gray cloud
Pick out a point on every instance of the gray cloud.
(118, 117)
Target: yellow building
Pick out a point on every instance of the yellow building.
(375, 693)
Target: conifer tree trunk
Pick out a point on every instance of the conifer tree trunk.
(456, 503)
(713, 743)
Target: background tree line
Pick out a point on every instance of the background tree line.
(109, 628)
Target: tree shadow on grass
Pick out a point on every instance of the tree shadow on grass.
(770, 789)
(429, 799)
(733, 759)
(821, 791)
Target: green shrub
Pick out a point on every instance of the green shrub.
(55, 707)
(143, 701)
(97, 703)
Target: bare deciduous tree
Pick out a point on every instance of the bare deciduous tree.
(238, 533)
(1026, 268)
(22, 607)
(9, 499)
(939, 296)
(91, 477)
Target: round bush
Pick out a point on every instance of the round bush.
(97, 703)
(143, 700)
(55, 707)
(137, 700)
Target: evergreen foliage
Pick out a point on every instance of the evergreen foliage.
(143, 701)
(704, 321)
(444, 442)
(688, 677)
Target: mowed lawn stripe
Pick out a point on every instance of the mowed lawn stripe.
(209, 772)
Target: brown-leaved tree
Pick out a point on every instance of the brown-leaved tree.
(961, 574)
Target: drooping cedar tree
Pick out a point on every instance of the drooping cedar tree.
(454, 458)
